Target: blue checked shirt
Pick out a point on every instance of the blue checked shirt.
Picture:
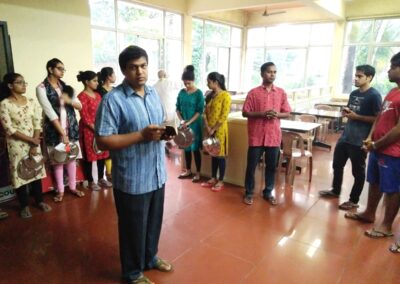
(139, 168)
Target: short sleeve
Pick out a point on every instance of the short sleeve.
(178, 102)
(285, 107)
(107, 118)
(6, 119)
(376, 103)
(200, 102)
(248, 105)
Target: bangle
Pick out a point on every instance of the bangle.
(373, 145)
(183, 122)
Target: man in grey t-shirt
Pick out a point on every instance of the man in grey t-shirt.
(361, 111)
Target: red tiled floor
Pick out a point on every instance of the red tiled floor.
(210, 237)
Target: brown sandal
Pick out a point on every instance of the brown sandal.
(58, 197)
(78, 193)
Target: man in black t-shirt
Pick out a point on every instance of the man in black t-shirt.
(361, 111)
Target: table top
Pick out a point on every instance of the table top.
(291, 125)
(318, 113)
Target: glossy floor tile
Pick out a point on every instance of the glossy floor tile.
(209, 237)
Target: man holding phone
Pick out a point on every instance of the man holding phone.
(265, 105)
(363, 107)
(128, 124)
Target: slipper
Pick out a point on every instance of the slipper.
(58, 197)
(141, 280)
(78, 193)
(196, 179)
(44, 206)
(348, 205)
(357, 217)
(271, 200)
(395, 247)
(374, 234)
(248, 200)
(185, 175)
(208, 184)
(163, 265)
(217, 187)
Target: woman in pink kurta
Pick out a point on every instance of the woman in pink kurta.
(90, 100)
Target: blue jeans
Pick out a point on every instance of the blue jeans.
(253, 157)
(139, 227)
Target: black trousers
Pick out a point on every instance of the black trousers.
(35, 188)
(87, 167)
(343, 152)
(197, 160)
(139, 227)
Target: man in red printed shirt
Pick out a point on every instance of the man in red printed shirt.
(264, 106)
(383, 172)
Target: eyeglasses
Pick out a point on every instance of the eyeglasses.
(21, 83)
(61, 69)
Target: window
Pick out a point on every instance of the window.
(117, 24)
(371, 42)
(301, 53)
(216, 47)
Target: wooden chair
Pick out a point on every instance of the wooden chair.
(309, 136)
(322, 133)
(292, 150)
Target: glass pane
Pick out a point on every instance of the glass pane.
(254, 60)
(359, 31)
(197, 61)
(255, 37)
(173, 25)
(381, 62)
(197, 30)
(319, 59)
(322, 34)
(288, 35)
(124, 40)
(217, 33)
(352, 56)
(234, 70)
(223, 61)
(387, 30)
(211, 56)
(236, 39)
(102, 13)
(152, 47)
(104, 48)
(140, 19)
(173, 57)
(290, 67)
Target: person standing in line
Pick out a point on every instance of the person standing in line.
(383, 173)
(128, 125)
(90, 101)
(60, 125)
(21, 119)
(264, 106)
(218, 106)
(189, 109)
(106, 78)
(363, 107)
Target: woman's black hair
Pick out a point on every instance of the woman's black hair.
(52, 63)
(188, 73)
(216, 77)
(68, 90)
(104, 73)
(8, 78)
(86, 76)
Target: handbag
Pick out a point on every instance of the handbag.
(30, 166)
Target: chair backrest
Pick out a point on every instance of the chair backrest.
(292, 140)
(324, 107)
(307, 118)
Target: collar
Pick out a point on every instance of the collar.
(128, 91)
(265, 89)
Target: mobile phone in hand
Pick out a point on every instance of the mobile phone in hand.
(169, 131)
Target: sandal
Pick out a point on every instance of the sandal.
(25, 213)
(357, 217)
(375, 234)
(395, 247)
(141, 280)
(248, 200)
(348, 205)
(196, 178)
(271, 200)
(78, 193)
(184, 175)
(163, 265)
(209, 183)
(58, 197)
(217, 187)
(44, 206)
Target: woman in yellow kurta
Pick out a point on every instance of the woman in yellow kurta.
(21, 119)
(218, 105)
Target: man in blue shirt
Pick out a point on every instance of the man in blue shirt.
(128, 125)
(363, 107)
